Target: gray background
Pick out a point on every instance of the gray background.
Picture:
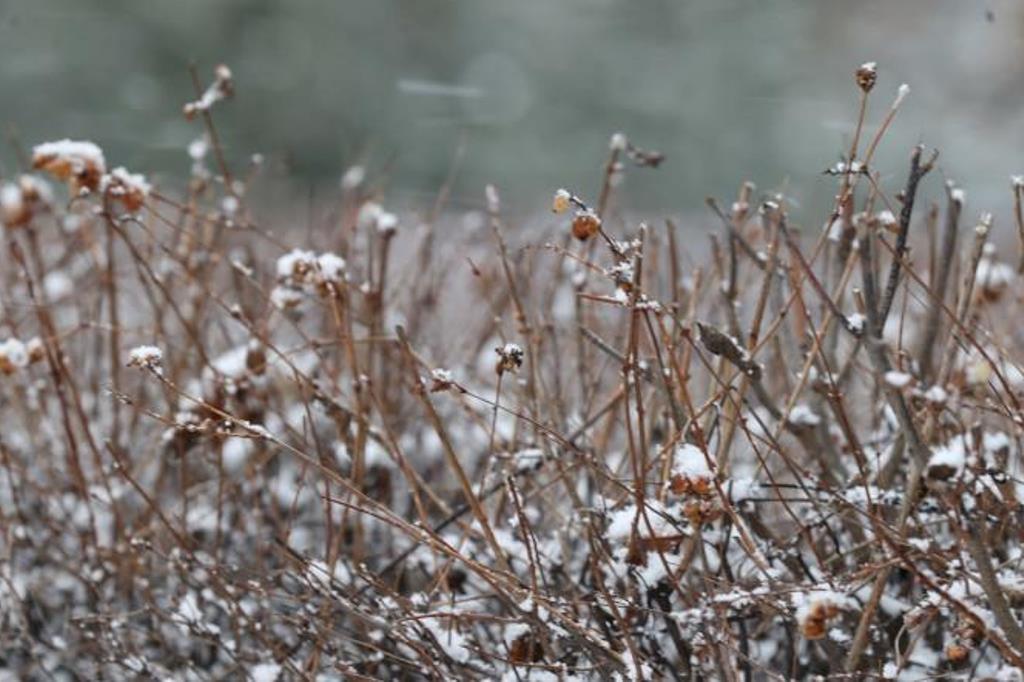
(729, 90)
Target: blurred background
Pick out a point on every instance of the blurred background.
(531, 90)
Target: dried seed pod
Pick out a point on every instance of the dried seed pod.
(21, 200)
(128, 189)
(867, 74)
(145, 357)
(815, 620)
(813, 628)
(80, 163)
(681, 484)
(525, 649)
(956, 652)
(510, 358)
(585, 224)
(256, 358)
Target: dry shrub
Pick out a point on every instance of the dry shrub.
(598, 452)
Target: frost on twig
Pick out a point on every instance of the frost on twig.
(222, 87)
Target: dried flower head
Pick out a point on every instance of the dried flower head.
(562, 201)
(331, 268)
(128, 189)
(585, 224)
(12, 207)
(145, 357)
(691, 474)
(816, 610)
(13, 356)
(20, 201)
(701, 511)
(79, 162)
(36, 350)
(526, 648)
(510, 358)
(441, 380)
(887, 221)
(867, 74)
(956, 652)
(295, 265)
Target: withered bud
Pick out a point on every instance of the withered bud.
(719, 343)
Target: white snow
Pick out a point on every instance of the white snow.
(994, 276)
(11, 202)
(387, 223)
(353, 177)
(901, 94)
(803, 415)
(441, 376)
(953, 454)
(804, 602)
(197, 148)
(145, 356)
(235, 452)
(294, 262)
(691, 462)
(856, 322)
(119, 182)
(373, 216)
(13, 351)
(561, 202)
(898, 379)
(368, 214)
(80, 154)
(285, 297)
(265, 672)
(57, 284)
(332, 267)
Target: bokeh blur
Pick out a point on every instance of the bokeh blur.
(529, 90)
